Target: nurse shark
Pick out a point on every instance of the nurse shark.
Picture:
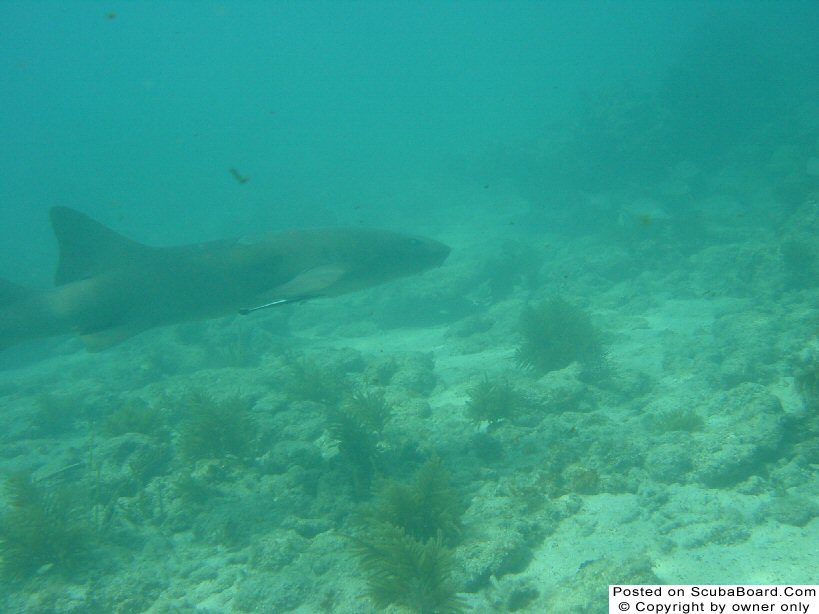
(110, 288)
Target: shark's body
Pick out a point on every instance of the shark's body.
(109, 288)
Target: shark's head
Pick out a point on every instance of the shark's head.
(417, 253)
(394, 255)
(365, 258)
(329, 262)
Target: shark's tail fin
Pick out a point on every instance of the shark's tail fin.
(15, 312)
(13, 293)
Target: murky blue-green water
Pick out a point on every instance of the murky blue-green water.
(612, 379)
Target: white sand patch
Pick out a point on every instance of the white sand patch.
(774, 554)
(607, 526)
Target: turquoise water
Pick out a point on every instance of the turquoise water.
(613, 378)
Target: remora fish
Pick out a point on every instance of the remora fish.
(109, 288)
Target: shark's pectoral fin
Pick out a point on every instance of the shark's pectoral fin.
(310, 284)
(104, 339)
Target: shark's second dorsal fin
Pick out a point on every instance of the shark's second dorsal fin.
(87, 248)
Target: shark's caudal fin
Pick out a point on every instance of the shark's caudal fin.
(11, 293)
(15, 308)
(87, 248)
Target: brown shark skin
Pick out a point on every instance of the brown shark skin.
(137, 287)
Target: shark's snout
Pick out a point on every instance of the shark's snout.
(439, 252)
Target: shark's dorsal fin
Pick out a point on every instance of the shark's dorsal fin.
(87, 248)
